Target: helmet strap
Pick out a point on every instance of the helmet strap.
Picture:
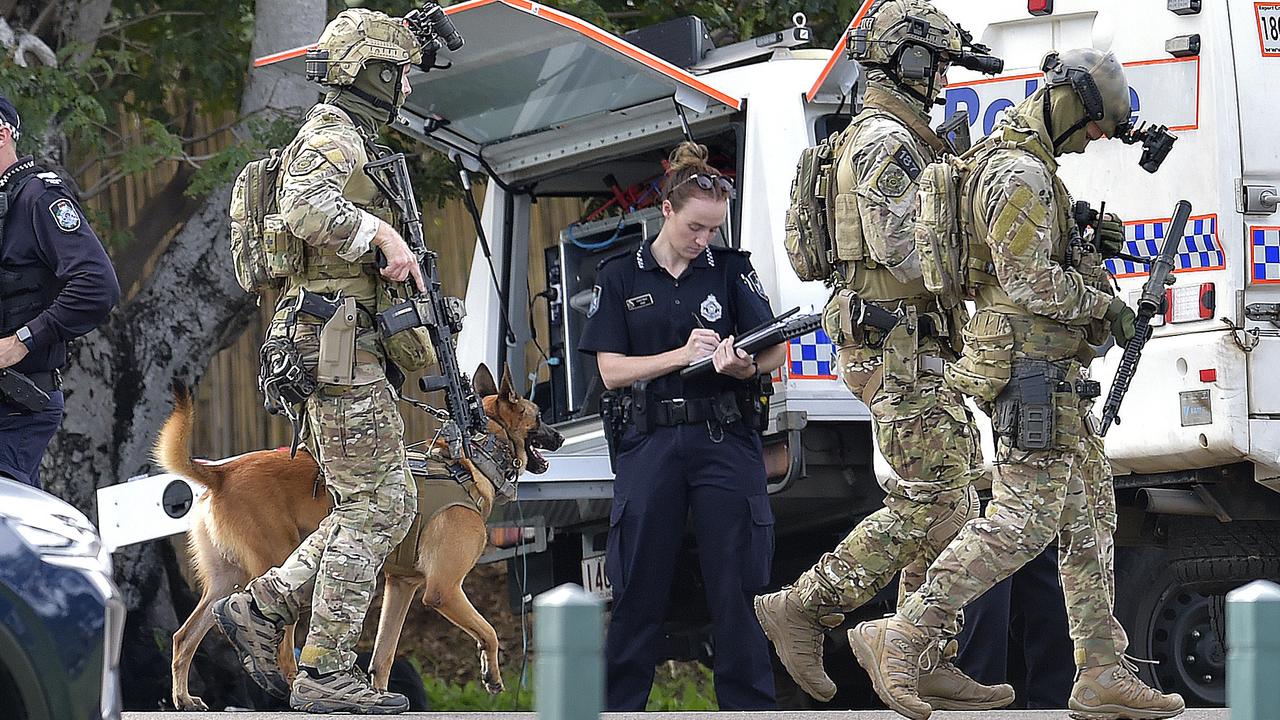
(902, 86)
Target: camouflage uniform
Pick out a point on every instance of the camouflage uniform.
(1039, 310)
(1040, 301)
(922, 427)
(354, 432)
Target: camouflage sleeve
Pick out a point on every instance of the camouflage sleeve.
(887, 166)
(1020, 228)
(311, 199)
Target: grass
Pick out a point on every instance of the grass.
(677, 687)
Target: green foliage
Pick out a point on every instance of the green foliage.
(682, 687)
(677, 687)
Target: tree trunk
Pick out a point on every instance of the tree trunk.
(117, 380)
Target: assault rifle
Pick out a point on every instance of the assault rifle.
(780, 329)
(1149, 303)
(440, 315)
(19, 390)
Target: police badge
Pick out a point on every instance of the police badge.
(711, 310)
(65, 215)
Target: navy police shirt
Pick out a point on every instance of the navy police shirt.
(55, 277)
(638, 309)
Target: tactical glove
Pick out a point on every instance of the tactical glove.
(1109, 235)
(1123, 321)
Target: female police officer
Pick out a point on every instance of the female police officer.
(679, 299)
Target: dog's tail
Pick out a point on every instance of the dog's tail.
(173, 446)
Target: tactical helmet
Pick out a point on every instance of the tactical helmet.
(908, 38)
(1098, 81)
(353, 39)
(893, 25)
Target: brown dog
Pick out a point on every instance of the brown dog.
(259, 506)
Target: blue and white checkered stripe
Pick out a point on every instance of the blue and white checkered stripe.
(1266, 254)
(1199, 250)
(811, 356)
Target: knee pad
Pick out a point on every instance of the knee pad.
(963, 508)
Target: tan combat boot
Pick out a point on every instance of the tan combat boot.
(1113, 692)
(794, 623)
(346, 691)
(947, 688)
(891, 650)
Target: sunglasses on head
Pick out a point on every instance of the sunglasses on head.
(708, 182)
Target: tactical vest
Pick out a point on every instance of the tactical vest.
(859, 271)
(1034, 336)
(319, 268)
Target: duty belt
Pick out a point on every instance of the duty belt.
(679, 411)
(46, 380)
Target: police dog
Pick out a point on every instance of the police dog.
(259, 506)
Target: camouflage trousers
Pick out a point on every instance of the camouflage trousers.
(928, 437)
(1035, 495)
(356, 435)
(1100, 498)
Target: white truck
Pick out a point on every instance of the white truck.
(549, 106)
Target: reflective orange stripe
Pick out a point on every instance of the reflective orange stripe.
(582, 27)
(835, 52)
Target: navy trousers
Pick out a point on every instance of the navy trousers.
(24, 437)
(1016, 632)
(718, 475)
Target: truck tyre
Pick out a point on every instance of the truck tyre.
(1172, 622)
(1215, 558)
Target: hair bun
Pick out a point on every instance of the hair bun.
(689, 154)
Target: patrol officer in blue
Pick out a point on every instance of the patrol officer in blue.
(56, 283)
(688, 445)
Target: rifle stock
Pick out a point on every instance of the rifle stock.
(1148, 305)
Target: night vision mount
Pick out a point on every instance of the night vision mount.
(918, 61)
(1156, 141)
(433, 30)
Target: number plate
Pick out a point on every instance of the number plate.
(594, 579)
(1269, 27)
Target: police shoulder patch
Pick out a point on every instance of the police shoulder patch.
(65, 215)
(305, 162)
(752, 281)
(595, 302)
(893, 181)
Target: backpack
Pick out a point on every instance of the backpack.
(810, 221)
(253, 199)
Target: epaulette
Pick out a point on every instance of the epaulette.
(726, 249)
(50, 179)
(625, 253)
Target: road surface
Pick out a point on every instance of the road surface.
(1193, 714)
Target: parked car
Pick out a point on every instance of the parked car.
(61, 616)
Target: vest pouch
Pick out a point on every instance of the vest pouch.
(283, 249)
(411, 350)
(849, 243)
(983, 369)
(902, 356)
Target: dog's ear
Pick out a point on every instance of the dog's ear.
(508, 391)
(483, 382)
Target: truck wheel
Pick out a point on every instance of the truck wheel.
(1173, 623)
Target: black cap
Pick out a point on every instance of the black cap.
(9, 116)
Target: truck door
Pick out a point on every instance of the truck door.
(1255, 34)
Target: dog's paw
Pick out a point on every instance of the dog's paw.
(493, 684)
(190, 704)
